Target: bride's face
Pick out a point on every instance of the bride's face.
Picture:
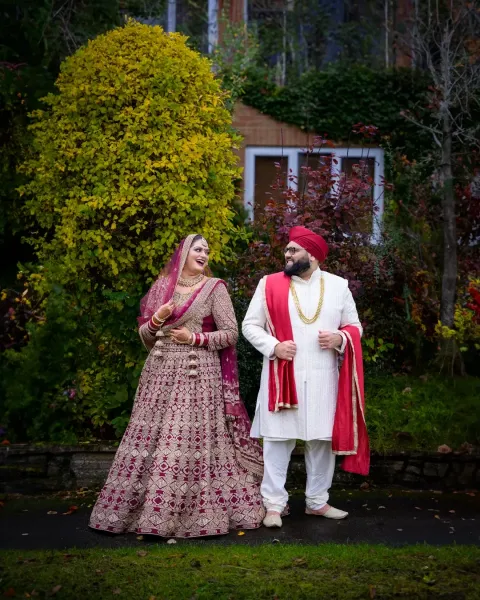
(197, 258)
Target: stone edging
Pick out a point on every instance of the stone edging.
(35, 469)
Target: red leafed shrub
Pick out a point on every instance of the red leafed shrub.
(342, 209)
(338, 207)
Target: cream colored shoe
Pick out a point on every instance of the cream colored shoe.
(272, 519)
(329, 513)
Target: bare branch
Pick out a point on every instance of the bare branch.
(436, 133)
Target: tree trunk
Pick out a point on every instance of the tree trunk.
(449, 277)
(450, 356)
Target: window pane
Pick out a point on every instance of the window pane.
(314, 161)
(266, 174)
(361, 167)
(367, 165)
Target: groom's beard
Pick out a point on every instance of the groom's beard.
(297, 268)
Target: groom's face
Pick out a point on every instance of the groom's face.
(297, 260)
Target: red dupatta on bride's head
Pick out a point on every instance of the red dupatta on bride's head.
(248, 451)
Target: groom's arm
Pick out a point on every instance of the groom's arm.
(349, 317)
(254, 323)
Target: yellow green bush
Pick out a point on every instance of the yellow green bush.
(134, 152)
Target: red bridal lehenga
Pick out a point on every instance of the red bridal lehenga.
(186, 466)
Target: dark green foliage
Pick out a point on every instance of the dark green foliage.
(54, 389)
(331, 101)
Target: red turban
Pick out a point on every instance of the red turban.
(311, 242)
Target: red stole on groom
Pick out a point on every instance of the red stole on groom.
(349, 435)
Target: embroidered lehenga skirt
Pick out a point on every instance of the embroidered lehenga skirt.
(175, 472)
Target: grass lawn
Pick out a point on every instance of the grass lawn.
(241, 572)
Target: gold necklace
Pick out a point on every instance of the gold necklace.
(299, 308)
(189, 283)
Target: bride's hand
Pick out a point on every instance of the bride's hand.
(181, 335)
(165, 311)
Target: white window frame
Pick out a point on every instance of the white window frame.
(212, 26)
(293, 156)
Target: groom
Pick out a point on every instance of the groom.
(301, 320)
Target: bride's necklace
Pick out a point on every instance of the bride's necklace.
(190, 282)
(299, 308)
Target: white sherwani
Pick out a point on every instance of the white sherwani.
(316, 370)
(316, 378)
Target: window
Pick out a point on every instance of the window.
(266, 173)
(260, 172)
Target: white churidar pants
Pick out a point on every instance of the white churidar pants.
(319, 463)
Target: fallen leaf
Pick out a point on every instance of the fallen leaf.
(9, 593)
(142, 553)
(436, 516)
(152, 598)
(365, 485)
(71, 510)
(140, 537)
(55, 590)
(172, 541)
(117, 591)
(300, 562)
(444, 449)
(5, 443)
(466, 447)
(52, 512)
(381, 507)
(372, 591)
(241, 533)
(452, 511)
(98, 571)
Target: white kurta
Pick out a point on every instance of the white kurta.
(316, 370)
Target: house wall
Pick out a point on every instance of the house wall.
(258, 129)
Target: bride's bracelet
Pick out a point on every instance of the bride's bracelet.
(156, 321)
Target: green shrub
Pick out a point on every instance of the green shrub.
(422, 413)
(134, 152)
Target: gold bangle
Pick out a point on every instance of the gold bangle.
(156, 321)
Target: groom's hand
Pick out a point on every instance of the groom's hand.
(329, 340)
(286, 350)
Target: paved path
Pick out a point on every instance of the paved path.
(380, 516)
